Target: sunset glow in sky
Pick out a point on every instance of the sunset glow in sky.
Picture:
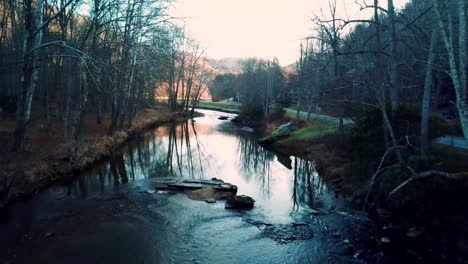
(257, 28)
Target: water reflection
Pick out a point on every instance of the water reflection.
(255, 161)
(201, 150)
(309, 190)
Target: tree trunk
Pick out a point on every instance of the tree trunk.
(457, 72)
(26, 79)
(68, 69)
(394, 89)
(427, 93)
(79, 112)
(35, 73)
(380, 82)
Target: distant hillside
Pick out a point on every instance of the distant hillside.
(289, 69)
(226, 65)
(234, 65)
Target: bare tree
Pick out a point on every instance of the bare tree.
(458, 63)
(426, 101)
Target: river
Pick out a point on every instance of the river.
(111, 215)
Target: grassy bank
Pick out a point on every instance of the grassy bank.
(48, 159)
(317, 141)
(313, 130)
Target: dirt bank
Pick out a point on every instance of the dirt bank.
(47, 158)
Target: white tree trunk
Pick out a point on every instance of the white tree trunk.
(426, 102)
(457, 72)
(35, 74)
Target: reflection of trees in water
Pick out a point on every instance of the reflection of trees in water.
(112, 173)
(255, 160)
(183, 159)
(178, 153)
(308, 187)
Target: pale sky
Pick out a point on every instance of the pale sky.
(256, 28)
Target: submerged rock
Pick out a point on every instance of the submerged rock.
(240, 202)
(347, 250)
(236, 119)
(210, 200)
(314, 212)
(223, 118)
(415, 232)
(385, 240)
(287, 233)
(50, 234)
(247, 129)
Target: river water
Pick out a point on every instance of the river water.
(111, 215)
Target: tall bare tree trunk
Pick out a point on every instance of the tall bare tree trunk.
(26, 79)
(458, 72)
(426, 103)
(35, 73)
(394, 88)
(380, 81)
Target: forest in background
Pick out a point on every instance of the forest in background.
(62, 61)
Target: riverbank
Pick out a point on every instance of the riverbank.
(47, 159)
(316, 141)
(414, 224)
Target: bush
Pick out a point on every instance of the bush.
(252, 112)
(276, 110)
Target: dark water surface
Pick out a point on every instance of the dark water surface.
(107, 216)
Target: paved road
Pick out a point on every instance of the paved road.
(458, 142)
(320, 117)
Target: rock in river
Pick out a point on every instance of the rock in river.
(210, 200)
(200, 190)
(209, 193)
(223, 118)
(202, 194)
(239, 202)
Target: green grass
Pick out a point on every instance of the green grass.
(313, 131)
(227, 105)
(294, 116)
